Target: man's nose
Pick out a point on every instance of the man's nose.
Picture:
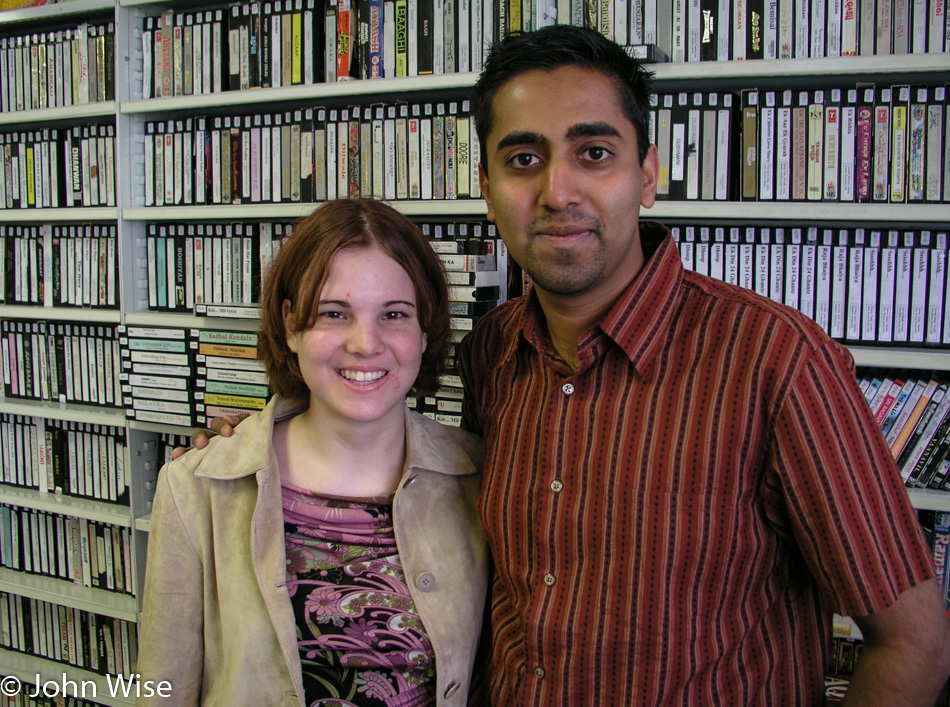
(561, 185)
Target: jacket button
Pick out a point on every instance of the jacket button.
(425, 581)
(451, 689)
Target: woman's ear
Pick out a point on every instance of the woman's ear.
(289, 328)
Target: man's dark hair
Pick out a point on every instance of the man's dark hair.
(551, 48)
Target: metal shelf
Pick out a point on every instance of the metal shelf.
(373, 88)
(76, 215)
(63, 411)
(894, 357)
(66, 593)
(780, 73)
(797, 211)
(65, 314)
(777, 74)
(103, 109)
(928, 499)
(456, 207)
(189, 321)
(98, 511)
(743, 211)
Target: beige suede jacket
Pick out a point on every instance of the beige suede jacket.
(217, 621)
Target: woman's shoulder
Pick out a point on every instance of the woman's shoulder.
(430, 434)
(241, 454)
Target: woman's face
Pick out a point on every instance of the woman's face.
(363, 352)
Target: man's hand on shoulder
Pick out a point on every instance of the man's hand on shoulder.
(200, 437)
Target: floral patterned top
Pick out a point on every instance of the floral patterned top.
(361, 640)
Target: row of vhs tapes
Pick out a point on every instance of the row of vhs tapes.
(252, 45)
(67, 458)
(738, 30)
(52, 168)
(859, 145)
(58, 68)
(59, 266)
(401, 151)
(83, 639)
(860, 285)
(911, 408)
(887, 144)
(85, 552)
(60, 362)
(201, 265)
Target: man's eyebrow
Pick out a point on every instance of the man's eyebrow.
(528, 137)
(595, 129)
(524, 137)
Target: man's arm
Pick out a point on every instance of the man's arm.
(906, 654)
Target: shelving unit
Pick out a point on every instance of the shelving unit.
(130, 113)
(37, 587)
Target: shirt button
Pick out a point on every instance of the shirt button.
(556, 486)
(539, 672)
(549, 579)
(568, 388)
(451, 689)
(425, 582)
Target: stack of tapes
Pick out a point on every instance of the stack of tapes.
(230, 380)
(157, 375)
(477, 280)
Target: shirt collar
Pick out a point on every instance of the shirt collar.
(638, 320)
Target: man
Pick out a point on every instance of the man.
(682, 479)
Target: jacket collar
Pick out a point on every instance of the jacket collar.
(430, 445)
(433, 446)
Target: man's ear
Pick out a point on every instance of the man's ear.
(650, 170)
(486, 192)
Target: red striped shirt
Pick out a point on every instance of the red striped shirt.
(675, 520)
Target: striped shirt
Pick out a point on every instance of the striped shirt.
(674, 521)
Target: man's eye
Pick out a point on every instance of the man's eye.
(524, 160)
(597, 154)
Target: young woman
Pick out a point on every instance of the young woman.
(328, 552)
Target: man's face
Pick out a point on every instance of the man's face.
(565, 184)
